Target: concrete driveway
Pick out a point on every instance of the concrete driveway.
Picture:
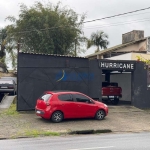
(124, 118)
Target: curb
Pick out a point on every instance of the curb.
(3, 138)
(90, 131)
(67, 133)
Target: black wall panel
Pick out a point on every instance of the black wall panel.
(141, 94)
(39, 60)
(96, 84)
(38, 73)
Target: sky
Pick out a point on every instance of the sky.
(95, 9)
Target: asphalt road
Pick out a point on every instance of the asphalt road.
(127, 141)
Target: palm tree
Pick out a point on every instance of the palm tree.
(98, 39)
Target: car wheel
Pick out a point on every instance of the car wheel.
(105, 101)
(100, 114)
(57, 116)
(12, 93)
(115, 101)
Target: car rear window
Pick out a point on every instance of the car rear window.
(46, 97)
(6, 82)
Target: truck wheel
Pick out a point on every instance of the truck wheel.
(105, 101)
(115, 101)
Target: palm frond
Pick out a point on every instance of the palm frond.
(98, 39)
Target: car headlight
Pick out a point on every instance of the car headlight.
(105, 105)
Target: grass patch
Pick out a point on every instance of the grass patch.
(37, 133)
(11, 111)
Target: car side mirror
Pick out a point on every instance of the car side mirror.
(91, 102)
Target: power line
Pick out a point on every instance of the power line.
(51, 28)
(91, 27)
(135, 14)
(117, 15)
(96, 19)
(116, 24)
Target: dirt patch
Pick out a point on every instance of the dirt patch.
(119, 119)
(10, 74)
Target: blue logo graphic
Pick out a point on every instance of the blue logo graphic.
(63, 76)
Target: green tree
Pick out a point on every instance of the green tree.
(3, 43)
(3, 36)
(7, 45)
(98, 39)
(46, 29)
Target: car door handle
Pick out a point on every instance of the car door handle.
(79, 105)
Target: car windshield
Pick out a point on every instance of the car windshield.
(46, 97)
(6, 82)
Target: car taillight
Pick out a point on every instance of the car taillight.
(10, 87)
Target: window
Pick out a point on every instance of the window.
(46, 97)
(81, 98)
(65, 97)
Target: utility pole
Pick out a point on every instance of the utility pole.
(18, 47)
(75, 47)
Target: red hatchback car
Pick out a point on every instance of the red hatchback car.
(59, 105)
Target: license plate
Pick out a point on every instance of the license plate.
(111, 96)
(3, 87)
(38, 112)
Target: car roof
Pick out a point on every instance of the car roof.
(61, 91)
(9, 78)
(6, 80)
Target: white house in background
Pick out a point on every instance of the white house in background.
(132, 42)
(131, 56)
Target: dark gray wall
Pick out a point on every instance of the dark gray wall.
(38, 73)
(141, 94)
(96, 84)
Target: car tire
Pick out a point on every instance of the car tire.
(105, 101)
(11, 93)
(57, 116)
(115, 101)
(100, 114)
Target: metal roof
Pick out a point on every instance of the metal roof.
(51, 54)
(114, 48)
